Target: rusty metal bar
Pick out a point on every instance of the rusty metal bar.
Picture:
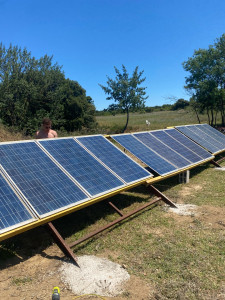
(116, 208)
(162, 196)
(60, 241)
(215, 163)
(220, 160)
(113, 223)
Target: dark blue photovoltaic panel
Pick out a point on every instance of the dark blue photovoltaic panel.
(189, 143)
(164, 151)
(219, 136)
(213, 140)
(115, 159)
(146, 155)
(41, 181)
(12, 211)
(197, 138)
(177, 146)
(90, 173)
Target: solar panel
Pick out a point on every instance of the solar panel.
(176, 145)
(208, 137)
(40, 180)
(82, 166)
(13, 213)
(197, 137)
(167, 153)
(189, 143)
(146, 155)
(220, 137)
(114, 158)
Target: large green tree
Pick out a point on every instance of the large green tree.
(126, 90)
(206, 82)
(31, 89)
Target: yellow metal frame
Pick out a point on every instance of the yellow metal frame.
(65, 212)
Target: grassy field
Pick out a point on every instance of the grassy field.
(137, 122)
(173, 256)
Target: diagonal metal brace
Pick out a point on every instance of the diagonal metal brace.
(162, 196)
(60, 242)
(213, 162)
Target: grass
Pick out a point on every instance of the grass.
(137, 121)
(21, 280)
(180, 259)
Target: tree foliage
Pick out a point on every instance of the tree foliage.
(206, 81)
(180, 104)
(126, 91)
(31, 89)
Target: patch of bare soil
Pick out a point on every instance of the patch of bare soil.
(210, 216)
(35, 277)
(188, 190)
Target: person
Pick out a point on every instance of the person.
(45, 130)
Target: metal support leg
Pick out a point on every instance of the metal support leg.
(60, 242)
(162, 196)
(116, 208)
(215, 163)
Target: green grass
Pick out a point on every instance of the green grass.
(21, 280)
(137, 121)
(181, 259)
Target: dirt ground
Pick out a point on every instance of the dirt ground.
(32, 274)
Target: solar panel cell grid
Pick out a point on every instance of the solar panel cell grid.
(177, 146)
(115, 159)
(206, 136)
(12, 211)
(198, 138)
(188, 143)
(146, 155)
(84, 168)
(45, 186)
(220, 137)
(160, 148)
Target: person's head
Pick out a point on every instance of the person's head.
(46, 124)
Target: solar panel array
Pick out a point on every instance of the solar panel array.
(188, 143)
(204, 135)
(114, 158)
(82, 166)
(145, 154)
(164, 151)
(38, 178)
(41, 178)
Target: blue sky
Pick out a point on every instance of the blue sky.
(89, 37)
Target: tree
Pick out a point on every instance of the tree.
(31, 89)
(126, 91)
(180, 104)
(206, 82)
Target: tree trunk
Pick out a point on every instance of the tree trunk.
(124, 129)
(196, 111)
(208, 116)
(212, 117)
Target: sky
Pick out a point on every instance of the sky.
(89, 37)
